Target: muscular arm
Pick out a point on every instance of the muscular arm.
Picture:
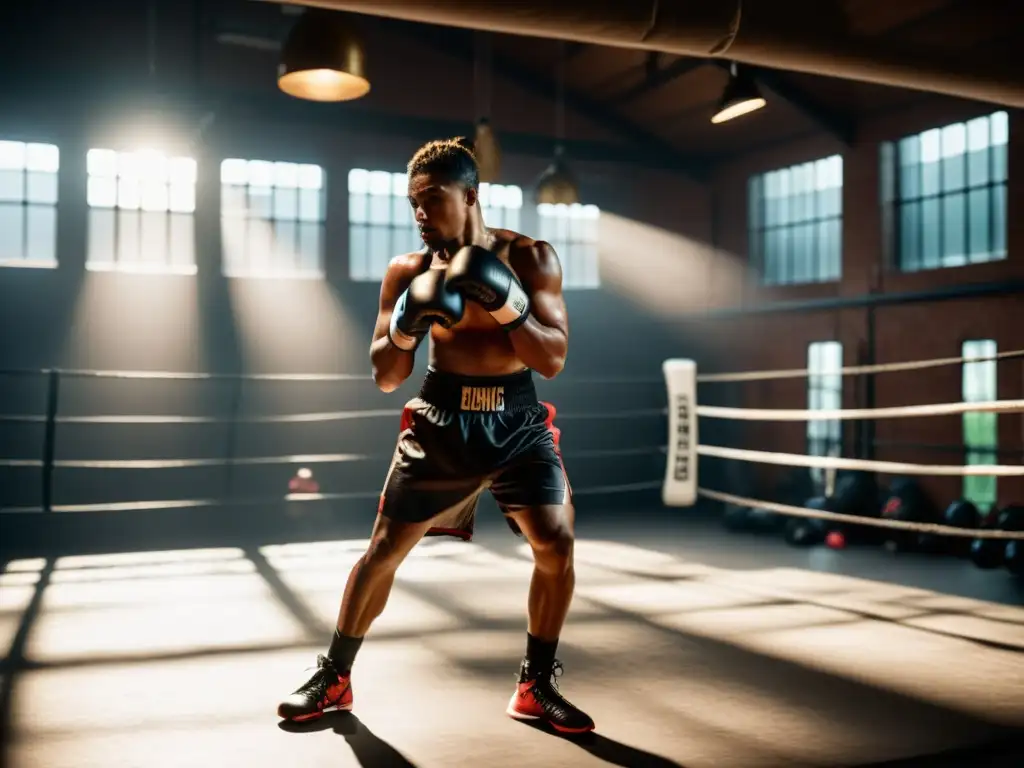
(391, 365)
(543, 340)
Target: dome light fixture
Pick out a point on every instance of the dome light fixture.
(740, 97)
(323, 59)
(557, 185)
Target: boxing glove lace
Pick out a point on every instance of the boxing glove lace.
(481, 276)
(426, 301)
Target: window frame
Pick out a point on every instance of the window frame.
(34, 209)
(104, 200)
(823, 193)
(901, 204)
(301, 226)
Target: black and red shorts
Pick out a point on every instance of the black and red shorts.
(463, 435)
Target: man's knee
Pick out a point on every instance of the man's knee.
(383, 553)
(553, 547)
(390, 544)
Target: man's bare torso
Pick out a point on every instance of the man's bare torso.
(476, 346)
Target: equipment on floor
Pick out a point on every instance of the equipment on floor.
(1013, 557)
(908, 502)
(1011, 518)
(735, 517)
(960, 514)
(835, 540)
(988, 553)
(806, 531)
(856, 494)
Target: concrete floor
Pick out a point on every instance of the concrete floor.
(689, 650)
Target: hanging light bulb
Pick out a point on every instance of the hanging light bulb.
(557, 185)
(323, 59)
(740, 97)
(487, 151)
(485, 141)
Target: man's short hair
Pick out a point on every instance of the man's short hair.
(451, 159)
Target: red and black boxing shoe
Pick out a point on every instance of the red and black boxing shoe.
(326, 689)
(537, 698)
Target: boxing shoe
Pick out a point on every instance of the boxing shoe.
(326, 689)
(537, 698)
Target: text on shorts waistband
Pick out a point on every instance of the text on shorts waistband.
(479, 394)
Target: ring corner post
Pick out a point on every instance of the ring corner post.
(50, 437)
(679, 488)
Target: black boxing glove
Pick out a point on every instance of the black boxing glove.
(481, 276)
(426, 301)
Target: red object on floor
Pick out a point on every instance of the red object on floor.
(835, 540)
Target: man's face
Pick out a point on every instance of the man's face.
(440, 208)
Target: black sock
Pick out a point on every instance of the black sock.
(343, 651)
(540, 654)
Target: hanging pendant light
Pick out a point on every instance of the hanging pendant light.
(557, 185)
(485, 141)
(323, 59)
(487, 151)
(740, 97)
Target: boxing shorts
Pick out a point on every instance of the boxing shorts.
(463, 435)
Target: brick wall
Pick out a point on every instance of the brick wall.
(903, 332)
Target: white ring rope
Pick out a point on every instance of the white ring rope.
(893, 412)
(853, 370)
(680, 487)
(902, 525)
(885, 467)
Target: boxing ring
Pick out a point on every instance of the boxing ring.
(680, 487)
(689, 646)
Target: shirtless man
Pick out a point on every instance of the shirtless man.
(491, 302)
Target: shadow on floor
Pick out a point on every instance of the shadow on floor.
(1002, 754)
(369, 749)
(611, 751)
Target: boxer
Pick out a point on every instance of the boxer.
(491, 303)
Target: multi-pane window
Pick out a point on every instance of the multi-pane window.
(501, 205)
(141, 212)
(381, 223)
(28, 204)
(981, 432)
(950, 193)
(272, 219)
(795, 223)
(573, 232)
(824, 393)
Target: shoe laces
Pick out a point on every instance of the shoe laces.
(548, 682)
(557, 670)
(324, 676)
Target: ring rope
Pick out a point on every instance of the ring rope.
(290, 418)
(132, 506)
(186, 376)
(274, 377)
(853, 370)
(885, 467)
(846, 414)
(902, 525)
(303, 459)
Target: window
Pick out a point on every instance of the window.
(824, 393)
(981, 433)
(573, 232)
(28, 204)
(951, 194)
(141, 217)
(272, 219)
(795, 223)
(381, 224)
(501, 205)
